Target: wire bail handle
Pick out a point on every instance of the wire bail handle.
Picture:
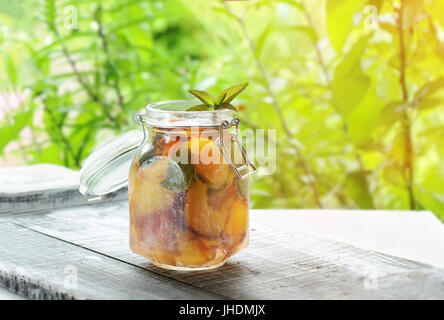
(246, 165)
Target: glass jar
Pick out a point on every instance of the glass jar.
(188, 185)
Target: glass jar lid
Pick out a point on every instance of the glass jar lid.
(106, 169)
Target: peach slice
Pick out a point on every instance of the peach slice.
(190, 252)
(222, 201)
(172, 148)
(211, 167)
(237, 222)
(199, 215)
(214, 249)
(146, 195)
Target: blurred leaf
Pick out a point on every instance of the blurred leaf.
(437, 12)
(11, 70)
(432, 201)
(340, 20)
(412, 10)
(260, 3)
(389, 27)
(377, 3)
(49, 154)
(392, 175)
(425, 97)
(293, 3)
(49, 10)
(81, 142)
(391, 113)
(350, 84)
(10, 132)
(429, 103)
(365, 118)
(310, 32)
(430, 88)
(397, 151)
(358, 189)
(262, 38)
(440, 51)
(111, 74)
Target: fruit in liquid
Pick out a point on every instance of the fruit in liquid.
(191, 215)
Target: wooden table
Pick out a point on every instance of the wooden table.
(54, 246)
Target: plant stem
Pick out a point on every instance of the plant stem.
(104, 40)
(87, 138)
(79, 77)
(58, 127)
(276, 105)
(408, 164)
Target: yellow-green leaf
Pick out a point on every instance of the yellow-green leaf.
(10, 132)
(350, 84)
(226, 105)
(340, 20)
(232, 92)
(200, 107)
(357, 188)
(203, 96)
(262, 38)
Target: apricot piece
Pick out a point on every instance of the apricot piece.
(214, 249)
(223, 200)
(171, 148)
(199, 215)
(190, 252)
(231, 176)
(215, 175)
(237, 222)
(146, 195)
(211, 167)
(154, 169)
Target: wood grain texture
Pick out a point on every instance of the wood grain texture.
(279, 263)
(42, 187)
(37, 266)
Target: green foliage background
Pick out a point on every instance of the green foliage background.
(356, 98)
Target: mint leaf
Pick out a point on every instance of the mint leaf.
(226, 105)
(179, 177)
(223, 101)
(204, 97)
(232, 92)
(200, 107)
(221, 98)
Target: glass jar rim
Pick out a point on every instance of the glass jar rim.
(172, 113)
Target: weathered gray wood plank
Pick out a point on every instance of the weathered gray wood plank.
(37, 266)
(41, 187)
(279, 264)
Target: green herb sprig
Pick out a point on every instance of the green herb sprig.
(223, 100)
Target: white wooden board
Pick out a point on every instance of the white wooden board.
(279, 264)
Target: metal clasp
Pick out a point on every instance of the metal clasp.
(246, 165)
